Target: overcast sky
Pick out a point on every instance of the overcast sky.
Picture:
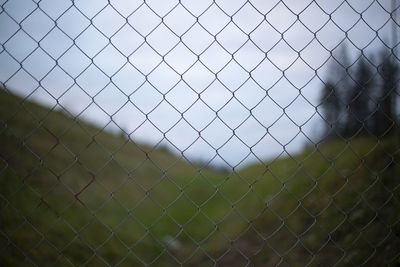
(229, 81)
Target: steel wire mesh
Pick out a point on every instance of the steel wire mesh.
(199, 133)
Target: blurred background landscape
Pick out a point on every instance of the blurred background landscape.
(199, 133)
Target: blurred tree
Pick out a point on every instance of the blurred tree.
(385, 101)
(360, 110)
(354, 101)
(334, 98)
(330, 104)
(343, 85)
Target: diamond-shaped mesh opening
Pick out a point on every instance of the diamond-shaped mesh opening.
(199, 133)
(182, 210)
(197, 46)
(31, 23)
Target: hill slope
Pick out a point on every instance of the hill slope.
(70, 188)
(71, 193)
(337, 204)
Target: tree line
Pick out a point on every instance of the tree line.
(360, 98)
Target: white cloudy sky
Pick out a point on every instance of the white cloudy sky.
(226, 81)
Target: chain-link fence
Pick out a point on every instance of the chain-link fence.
(199, 133)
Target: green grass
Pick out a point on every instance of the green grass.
(73, 194)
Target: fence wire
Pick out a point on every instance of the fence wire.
(199, 133)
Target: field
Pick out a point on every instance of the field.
(72, 194)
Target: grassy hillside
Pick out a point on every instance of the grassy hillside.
(71, 193)
(68, 187)
(337, 204)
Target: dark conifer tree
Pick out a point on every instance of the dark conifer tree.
(359, 106)
(334, 98)
(342, 90)
(385, 104)
(330, 104)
